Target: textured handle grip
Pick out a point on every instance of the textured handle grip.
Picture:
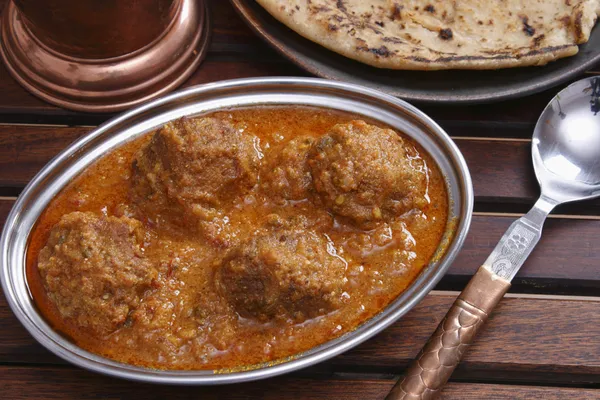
(443, 351)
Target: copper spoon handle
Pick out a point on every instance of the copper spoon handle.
(430, 371)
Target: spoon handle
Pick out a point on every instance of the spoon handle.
(430, 371)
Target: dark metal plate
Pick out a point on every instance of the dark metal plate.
(422, 86)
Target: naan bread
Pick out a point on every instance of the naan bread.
(430, 35)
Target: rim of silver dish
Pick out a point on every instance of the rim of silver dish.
(206, 98)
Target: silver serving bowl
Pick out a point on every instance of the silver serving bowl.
(207, 98)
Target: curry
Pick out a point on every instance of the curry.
(236, 238)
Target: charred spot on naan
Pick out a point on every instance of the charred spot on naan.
(446, 34)
(528, 29)
(380, 51)
(578, 26)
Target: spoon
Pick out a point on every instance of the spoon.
(566, 159)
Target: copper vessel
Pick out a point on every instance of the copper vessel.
(102, 55)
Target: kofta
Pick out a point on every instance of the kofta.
(94, 269)
(283, 274)
(192, 166)
(364, 173)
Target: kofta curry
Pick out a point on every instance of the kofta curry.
(236, 238)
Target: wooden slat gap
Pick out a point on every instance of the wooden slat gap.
(519, 215)
(46, 125)
(490, 139)
(9, 124)
(525, 296)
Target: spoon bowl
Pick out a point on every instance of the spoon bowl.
(566, 144)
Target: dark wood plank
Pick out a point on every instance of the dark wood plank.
(521, 333)
(231, 35)
(501, 170)
(566, 256)
(24, 150)
(505, 392)
(565, 260)
(15, 101)
(556, 340)
(503, 175)
(515, 118)
(5, 206)
(218, 70)
(16, 344)
(53, 383)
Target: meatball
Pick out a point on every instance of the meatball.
(364, 173)
(287, 176)
(288, 274)
(94, 270)
(194, 165)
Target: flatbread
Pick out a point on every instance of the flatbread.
(432, 35)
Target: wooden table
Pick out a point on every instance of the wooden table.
(542, 342)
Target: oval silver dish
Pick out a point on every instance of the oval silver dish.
(200, 100)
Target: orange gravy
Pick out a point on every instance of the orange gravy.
(373, 284)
